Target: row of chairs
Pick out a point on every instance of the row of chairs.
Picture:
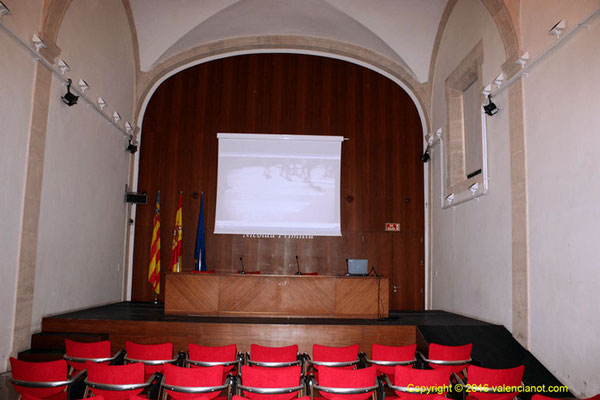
(267, 373)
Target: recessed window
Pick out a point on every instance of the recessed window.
(464, 140)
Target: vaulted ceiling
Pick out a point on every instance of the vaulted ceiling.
(401, 30)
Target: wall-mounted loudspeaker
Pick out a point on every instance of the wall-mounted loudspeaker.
(136, 198)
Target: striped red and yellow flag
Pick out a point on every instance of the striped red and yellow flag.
(176, 264)
(154, 266)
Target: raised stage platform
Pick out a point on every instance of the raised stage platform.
(493, 345)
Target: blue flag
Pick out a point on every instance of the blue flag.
(200, 250)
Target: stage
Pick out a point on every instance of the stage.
(493, 345)
(148, 323)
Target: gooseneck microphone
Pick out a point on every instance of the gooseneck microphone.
(298, 264)
(243, 271)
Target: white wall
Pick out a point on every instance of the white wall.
(471, 242)
(82, 215)
(16, 85)
(562, 106)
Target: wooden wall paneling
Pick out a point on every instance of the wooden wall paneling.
(281, 93)
(219, 334)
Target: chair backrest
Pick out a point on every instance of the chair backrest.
(86, 350)
(193, 377)
(436, 380)
(449, 353)
(479, 376)
(274, 354)
(346, 378)
(51, 371)
(261, 377)
(335, 354)
(391, 353)
(162, 351)
(213, 354)
(115, 374)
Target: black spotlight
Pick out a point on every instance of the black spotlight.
(69, 98)
(490, 108)
(132, 148)
(426, 157)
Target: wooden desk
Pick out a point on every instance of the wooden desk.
(310, 296)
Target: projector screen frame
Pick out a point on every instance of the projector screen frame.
(310, 153)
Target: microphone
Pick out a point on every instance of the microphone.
(243, 271)
(298, 264)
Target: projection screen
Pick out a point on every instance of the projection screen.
(278, 184)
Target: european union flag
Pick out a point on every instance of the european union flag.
(200, 250)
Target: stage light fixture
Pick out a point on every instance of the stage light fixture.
(69, 98)
(490, 108)
(426, 157)
(132, 146)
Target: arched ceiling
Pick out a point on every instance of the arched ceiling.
(401, 30)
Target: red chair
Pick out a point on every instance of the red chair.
(116, 382)
(45, 380)
(30, 397)
(451, 358)
(385, 358)
(482, 380)
(338, 357)
(272, 383)
(153, 356)
(77, 353)
(265, 356)
(418, 384)
(193, 383)
(345, 384)
(210, 356)
(542, 397)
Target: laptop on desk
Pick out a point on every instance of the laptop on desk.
(357, 267)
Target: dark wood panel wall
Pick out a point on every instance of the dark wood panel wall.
(382, 175)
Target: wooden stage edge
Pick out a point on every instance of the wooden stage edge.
(242, 334)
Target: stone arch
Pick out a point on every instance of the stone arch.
(148, 81)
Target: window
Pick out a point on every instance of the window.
(465, 172)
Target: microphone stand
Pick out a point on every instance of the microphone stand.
(243, 271)
(298, 264)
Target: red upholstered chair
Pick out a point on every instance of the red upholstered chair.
(266, 356)
(45, 380)
(338, 357)
(272, 383)
(481, 380)
(542, 397)
(116, 382)
(210, 356)
(344, 384)
(435, 382)
(451, 358)
(153, 356)
(193, 383)
(77, 353)
(385, 358)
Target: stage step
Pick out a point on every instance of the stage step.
(41, 355)
(56, 340)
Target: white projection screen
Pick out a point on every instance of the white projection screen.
(278, 184)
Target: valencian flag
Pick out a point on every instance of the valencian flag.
(177, 239)
(154, 266)
(200, 250)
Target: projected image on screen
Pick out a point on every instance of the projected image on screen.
(278, 184)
